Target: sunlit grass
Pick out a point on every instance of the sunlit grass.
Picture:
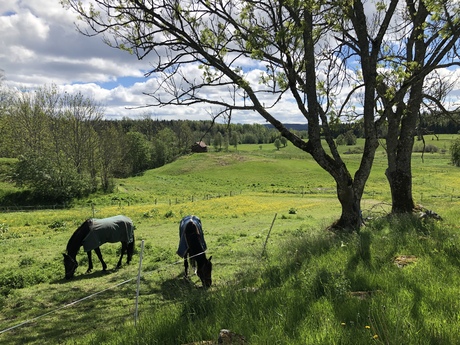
(297, 284)
(314, 289)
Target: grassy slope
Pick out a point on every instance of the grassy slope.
(300, 293)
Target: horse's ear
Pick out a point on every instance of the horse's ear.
(210, 258)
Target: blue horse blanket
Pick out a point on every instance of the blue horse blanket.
(183, 245)
(112, 230)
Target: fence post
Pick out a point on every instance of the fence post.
(138, 283)
(268, 235)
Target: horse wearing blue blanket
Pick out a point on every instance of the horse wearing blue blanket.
(192, 246)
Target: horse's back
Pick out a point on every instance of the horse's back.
(109, 230)
(183, 244)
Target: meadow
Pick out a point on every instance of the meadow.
(394, 282)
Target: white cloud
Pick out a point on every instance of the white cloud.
(39, 46)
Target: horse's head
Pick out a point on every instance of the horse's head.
(204, 273)
(70, 265)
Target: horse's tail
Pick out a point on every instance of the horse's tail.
(130, 248)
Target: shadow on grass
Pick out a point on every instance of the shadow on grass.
(178, 288)
(83, 276)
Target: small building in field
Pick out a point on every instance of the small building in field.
(199, 146)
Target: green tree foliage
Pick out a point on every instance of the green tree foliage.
(49, 181)
(7, 136)
(249, 138)
(109, 153)
(455, 152)
(165, 148)
(348, 138)
(283, 141)
(235, 139)
(137, 153)
(277, 143)
(66, 150)
(218, 141)
(54, 143)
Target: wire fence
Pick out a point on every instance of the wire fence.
(382, 209)
(71, 304)
(121, 201)
(140, 273)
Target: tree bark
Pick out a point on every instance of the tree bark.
(402, 122)
(350, 219)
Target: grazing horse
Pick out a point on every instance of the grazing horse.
(192, 246)
(95, 232)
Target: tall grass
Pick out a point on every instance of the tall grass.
(317, 288)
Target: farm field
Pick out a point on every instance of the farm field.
(310, 287)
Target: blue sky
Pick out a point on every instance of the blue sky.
(40, 47)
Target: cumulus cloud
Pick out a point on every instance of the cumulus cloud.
(40, 46)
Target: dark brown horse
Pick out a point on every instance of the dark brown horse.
(192, 246)
(95, 232)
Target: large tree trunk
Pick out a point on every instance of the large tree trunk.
(400, 140)
(401, 190)
(350, 219)
(402, 123)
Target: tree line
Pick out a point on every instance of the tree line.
(66, 149)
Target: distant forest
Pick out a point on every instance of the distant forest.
(70, 151)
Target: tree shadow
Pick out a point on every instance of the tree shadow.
(363, 252)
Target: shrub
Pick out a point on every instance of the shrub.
(3, 228)
(50, 183)
(57, 224)
(347, 138)
(455, 152)
(169, 214)
(425, 148)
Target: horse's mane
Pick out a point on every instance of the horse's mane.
(77, 237)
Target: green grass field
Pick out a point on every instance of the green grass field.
(309, 288)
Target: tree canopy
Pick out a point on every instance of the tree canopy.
(383, 54)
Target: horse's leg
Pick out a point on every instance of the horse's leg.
(123, 249)
(194, 266)
(90, 262)
(129, 251)
(99, 255)
(186, 266)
